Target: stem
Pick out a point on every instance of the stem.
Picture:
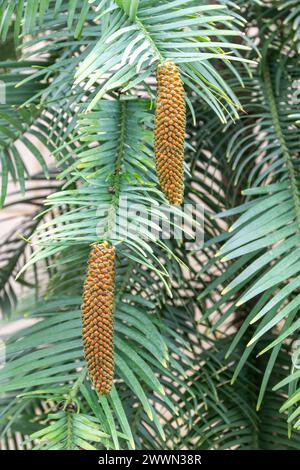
(282, 142)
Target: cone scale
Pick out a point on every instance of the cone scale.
(97, 316)
(169, 131)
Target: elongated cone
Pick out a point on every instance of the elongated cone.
(169, 131)
(97, 316)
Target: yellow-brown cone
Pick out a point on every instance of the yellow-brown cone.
(97, 316)
(169, 131)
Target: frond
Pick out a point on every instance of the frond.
(26, 16)
(119, 49)
(259, 256)
(62, 360)
(205, 338)
(218, 415)
(14, 249)
(68, 430)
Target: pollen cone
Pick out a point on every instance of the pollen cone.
(169, 131)
(97, 316)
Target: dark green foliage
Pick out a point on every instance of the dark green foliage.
(205, 346)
